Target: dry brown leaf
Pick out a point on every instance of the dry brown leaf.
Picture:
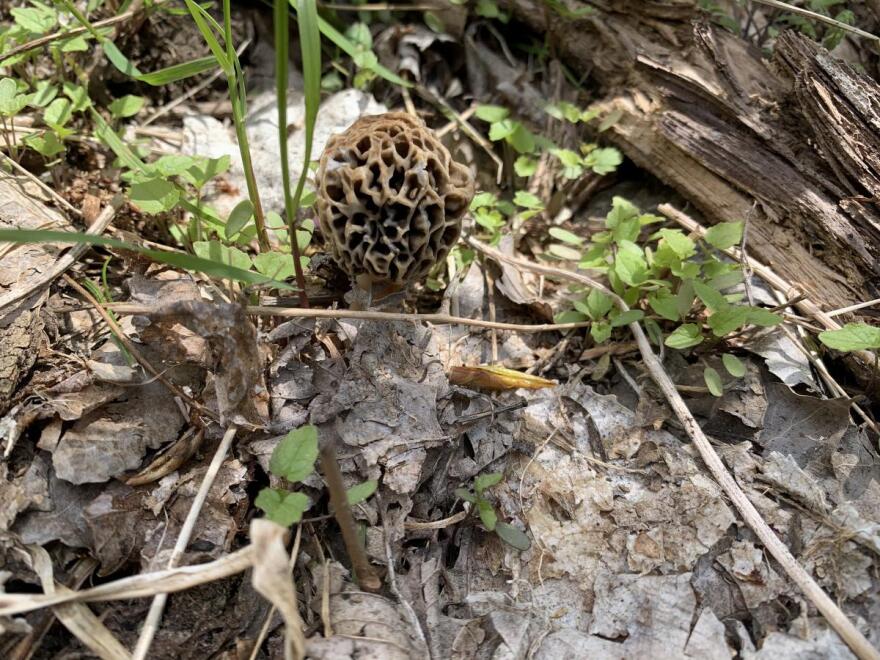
(496, 379)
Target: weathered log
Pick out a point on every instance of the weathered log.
(791, 144)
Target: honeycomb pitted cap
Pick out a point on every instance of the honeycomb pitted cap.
(390, 199)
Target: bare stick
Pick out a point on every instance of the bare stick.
(818, 17)
(154, 616)
(66, 260)
(301, 312)
(832, 613)
(364, 573)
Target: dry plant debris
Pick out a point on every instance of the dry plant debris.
(521, 484)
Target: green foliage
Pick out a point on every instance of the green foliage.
(486, 510)
(294, 459)
(852, 337)
(666, 272)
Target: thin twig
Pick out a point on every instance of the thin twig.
(817, 17)
(66, 260)
(853, 308)
(364, 574)
(154, 616)
(300, 312)
(829, 609)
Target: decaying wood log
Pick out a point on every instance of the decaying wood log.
(792, 144)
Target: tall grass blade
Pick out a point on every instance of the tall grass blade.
(350, 48)
(177, 259)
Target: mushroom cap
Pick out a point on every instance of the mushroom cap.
(390, 199)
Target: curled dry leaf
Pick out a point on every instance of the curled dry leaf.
(496, 379)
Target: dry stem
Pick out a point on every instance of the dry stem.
(833, 614)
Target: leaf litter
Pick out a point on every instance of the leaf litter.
(633, 551)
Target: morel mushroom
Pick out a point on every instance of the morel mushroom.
(390, 199)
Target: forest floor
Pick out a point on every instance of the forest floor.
(599, 427)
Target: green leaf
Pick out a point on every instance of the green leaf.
(501, 130)
(46, 143)
(565, 236)
(36, 20)
(598, 304)
(512, 536)
(177, 72)
(763, 317)
(239, 217)
(684, 336)
(627, 317)
(485, 481)
(522, 140)
(724, 235)
(683, 246)
(483, 199)
(852, 337)
(712, 299)
(564, 252)
(572, 165)
(361, 492)
(603, 161)
(466, 495)
(282, 506)
(276, 265)
(726, 320)
(600, 331)
(45, 94)
(78, 95)
(665, 304)
(217, 252)
(713, 381)
(629, 263)
(570, 316)
(527, 200)
(735, 367)
(360, 34)
(154, 195)
(623, 220)
(58, 113)
(126, 106)
(487, 514)
(491, 113)
(294, 457)
(525, 166)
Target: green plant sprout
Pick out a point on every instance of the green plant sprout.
(293, 460)
(670, 274)
(486, 510)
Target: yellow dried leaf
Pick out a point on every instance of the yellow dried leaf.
(496, 379)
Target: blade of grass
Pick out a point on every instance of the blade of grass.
(122, 63)
(228, 60)
(310, 45)
(177, 259)
(349, 48)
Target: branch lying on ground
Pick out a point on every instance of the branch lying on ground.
(832, 613)
(300, 312)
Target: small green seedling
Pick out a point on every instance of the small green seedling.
(505, 531)
(294, 460)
